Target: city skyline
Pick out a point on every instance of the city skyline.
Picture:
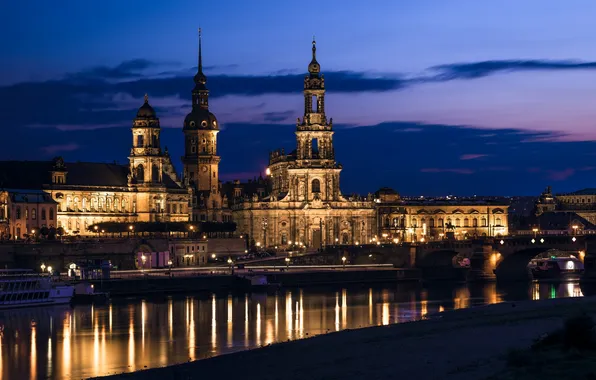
(475, 107)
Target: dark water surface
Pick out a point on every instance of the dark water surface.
(131, 334)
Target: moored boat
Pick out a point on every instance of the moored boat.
(556, 268)
(24, 288)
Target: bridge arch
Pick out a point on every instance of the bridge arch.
(514, 266)
(442, 265)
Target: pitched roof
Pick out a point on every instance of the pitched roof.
(36, 174)
(587, 191)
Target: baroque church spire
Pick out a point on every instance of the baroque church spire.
(200, 78)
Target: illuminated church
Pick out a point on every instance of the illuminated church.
(305, 204)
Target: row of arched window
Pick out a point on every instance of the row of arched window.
(440, 222)
(105, 204)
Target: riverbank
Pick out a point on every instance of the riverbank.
(458, 345)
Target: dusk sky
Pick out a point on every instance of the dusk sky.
(429, 97)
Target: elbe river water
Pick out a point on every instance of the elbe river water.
(124, 335)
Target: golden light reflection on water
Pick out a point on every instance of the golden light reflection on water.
(129, 335)
(33, 356)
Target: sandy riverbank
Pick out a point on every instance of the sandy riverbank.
(462, 344)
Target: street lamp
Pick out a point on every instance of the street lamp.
(287, 262)
(575, 227)
(213, 256)
(343, 261)
(50, 270)
(230, 262)
(43, 267)
(535, 230)
(143, 259)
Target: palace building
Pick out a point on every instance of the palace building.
(304, 204)
(85, 193)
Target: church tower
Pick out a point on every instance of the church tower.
(200, 160)
(146, 157)
(314, 140)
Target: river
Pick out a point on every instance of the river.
(129, 334)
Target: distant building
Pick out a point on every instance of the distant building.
(571, 213)
(435, 219)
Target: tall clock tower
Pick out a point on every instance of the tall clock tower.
(200, 160)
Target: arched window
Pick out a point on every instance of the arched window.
(140, 173)
(484, 222)
(155, 173)
(116, 204)
(475, 222)
(94, 204)
(85, 204)
(386, 224)
(76, 203)
(498, 221)
(457, 222)
(395, 222)
(100, 202)
(68, 203)
(124, 204)
(109, 204)
(51, 214)
(431, 223)
(33, 214)
(414, 222)
(18, 213)
(441, 222)
(316, 186)
(466, 222)
(43, 214)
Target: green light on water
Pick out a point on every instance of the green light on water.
(553, 292)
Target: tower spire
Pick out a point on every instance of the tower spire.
(200, 78)
(314, 49)
(200, 54)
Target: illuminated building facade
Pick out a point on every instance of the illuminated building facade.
(304, 204)
(436, 219)
(86, 193)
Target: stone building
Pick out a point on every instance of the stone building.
(25, 212)
(573, 212)
(305, 204)
(201, 160)
(435, 219)
(147, 189)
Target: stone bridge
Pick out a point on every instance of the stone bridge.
(502, 258)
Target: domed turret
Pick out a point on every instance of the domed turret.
(146, 111)
(200, 118)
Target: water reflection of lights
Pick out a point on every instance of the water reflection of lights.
(301, 315)
(289, 313)
(213, 322)
(191, 328)
(230, 321)
(246, 341)
(171, 320)
(110, 316)
(131, 340)
(370, 306)
(344, 308)
(336, 311)
(33, 354)
(276, 314)
(66, 346)
(258, 324)
(50, 366)
(96, 367)
(143, 321)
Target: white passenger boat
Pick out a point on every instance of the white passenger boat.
(23, 288)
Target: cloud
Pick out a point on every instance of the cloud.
(465, 157)
(437, 170)
(276, 117)
(481, 69)
(560, 175)
(127, 69)
(53, 149)
(409, 130)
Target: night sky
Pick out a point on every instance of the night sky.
(430, 97)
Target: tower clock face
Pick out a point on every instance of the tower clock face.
(204, 169)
